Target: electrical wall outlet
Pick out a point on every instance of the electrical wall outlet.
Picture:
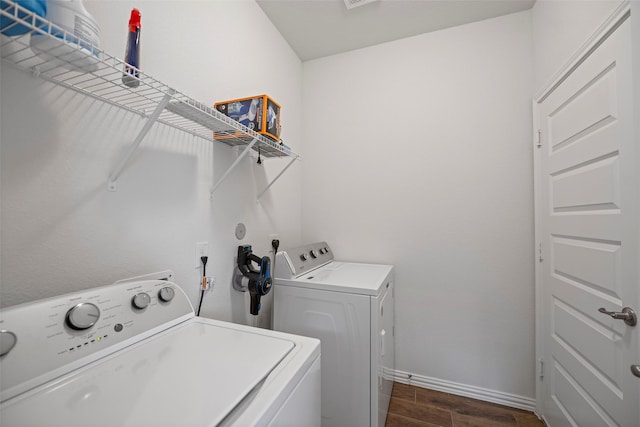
(272, 237)
(202, 249)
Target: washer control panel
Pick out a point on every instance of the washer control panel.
(293, 262)
(49, 336)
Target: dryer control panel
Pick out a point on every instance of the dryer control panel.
(291, 263)
(47, 338)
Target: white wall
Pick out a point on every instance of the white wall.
(418, 153)
(63, 231)
(560, 28)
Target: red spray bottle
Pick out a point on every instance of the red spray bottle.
(131, 76)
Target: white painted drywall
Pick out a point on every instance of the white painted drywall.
(63, 231)
(560, 27)
(418, 153)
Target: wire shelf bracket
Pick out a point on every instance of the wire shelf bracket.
(216, 184)
(276, 178)
(112, 184)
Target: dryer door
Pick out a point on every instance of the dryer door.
(341, 322)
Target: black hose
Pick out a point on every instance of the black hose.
(204, 260)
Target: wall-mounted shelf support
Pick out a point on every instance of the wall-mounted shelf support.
(276, 178)
(113, 178)
(215, 184)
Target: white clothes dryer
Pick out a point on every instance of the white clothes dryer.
(350, 308)
(134, 354)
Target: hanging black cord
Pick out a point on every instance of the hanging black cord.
(275, 244)
(204, 260)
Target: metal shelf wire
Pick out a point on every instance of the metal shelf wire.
(104, 82)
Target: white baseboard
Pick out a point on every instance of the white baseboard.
(485, 394)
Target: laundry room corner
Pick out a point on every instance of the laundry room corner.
(63, 230)
(431, 160)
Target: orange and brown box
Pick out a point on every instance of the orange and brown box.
(259, 113)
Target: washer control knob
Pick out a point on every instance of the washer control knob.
(323, 251)
(82, 316)
(166, 294)
(313, 254)
(8, 340)
(304, 257)
(141, 300)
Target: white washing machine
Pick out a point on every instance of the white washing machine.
(134, 354)
(350, 308)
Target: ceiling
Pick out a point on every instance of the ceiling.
(317, 28)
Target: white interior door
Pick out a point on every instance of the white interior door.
(588, 225)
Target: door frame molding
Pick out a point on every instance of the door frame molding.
(617, 17)
(599, 35)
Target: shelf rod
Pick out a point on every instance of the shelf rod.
(233, 165)
(136, 142)
(276, 178)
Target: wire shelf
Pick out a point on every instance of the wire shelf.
(78, 65)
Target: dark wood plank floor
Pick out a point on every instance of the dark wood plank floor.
(418, 407)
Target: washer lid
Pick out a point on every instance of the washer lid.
(193, 374)
(358, 278)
